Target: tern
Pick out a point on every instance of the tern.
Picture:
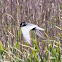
(26, 28)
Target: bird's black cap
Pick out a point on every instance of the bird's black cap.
(22, 24)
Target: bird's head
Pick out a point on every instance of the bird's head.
(22, 24)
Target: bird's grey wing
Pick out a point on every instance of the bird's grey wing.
(26, 34)
(30, 27)
(37, 32)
